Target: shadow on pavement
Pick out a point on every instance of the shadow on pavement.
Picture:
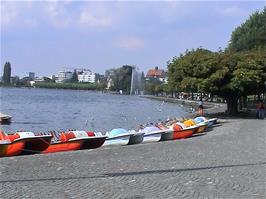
(107, 175)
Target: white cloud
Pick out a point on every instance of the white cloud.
(131, 43)
(89, 19)
(58, 13)
(9, 12)
(96, 14)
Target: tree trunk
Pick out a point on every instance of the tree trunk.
(245, 101)
(232, 105)
(240, 103)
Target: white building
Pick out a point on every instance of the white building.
(87, 76)
(63, 76)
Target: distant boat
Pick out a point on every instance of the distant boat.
(5, 119)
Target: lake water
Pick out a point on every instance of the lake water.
(40, 110)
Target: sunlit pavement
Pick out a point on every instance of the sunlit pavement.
(227, 162)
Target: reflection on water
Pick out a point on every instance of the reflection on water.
(44, 109)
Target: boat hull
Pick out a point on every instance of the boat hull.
(201, 129)
(167, 136)
(12, 149)
(3, 150)
(36, 145)
(152, 137)
(64, 146)
(136, 138)
(5, 119)
(183, 134)
(117, 140)
(93, 143)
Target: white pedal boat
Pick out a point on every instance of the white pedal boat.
(151, 134)
(117, 137)
(135, 137)
(210, 122)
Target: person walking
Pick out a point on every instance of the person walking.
(200, 108)
(261, 110)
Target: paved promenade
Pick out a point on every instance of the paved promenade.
(228, 162)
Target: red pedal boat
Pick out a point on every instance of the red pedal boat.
(91, 139)
(8, 148)
(22, 143)
(75, 140)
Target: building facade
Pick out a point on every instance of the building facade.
(87, 76)
(64, 76)
(158, 74)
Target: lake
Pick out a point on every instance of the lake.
(40, 110)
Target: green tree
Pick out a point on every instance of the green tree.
(74, 78)
(251, 34)
(228, 75)
(7, 74)
(121, 78)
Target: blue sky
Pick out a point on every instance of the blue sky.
(47, 36)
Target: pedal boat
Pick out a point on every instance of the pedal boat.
(167, 132)
(152, 134)
(202, 126)
(91, 140)
(5, 119)
(24, 143)
(210, 122)
(8, 148)
(181, 131)
(135, 137)
(117, 136)
(63, 142)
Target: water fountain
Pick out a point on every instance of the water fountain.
(137, 83)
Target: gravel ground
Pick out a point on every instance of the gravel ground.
(228, 162)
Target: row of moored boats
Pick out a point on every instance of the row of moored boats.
(22, 143)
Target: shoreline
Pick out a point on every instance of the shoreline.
(209, 107)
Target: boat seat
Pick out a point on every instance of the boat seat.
(13, 137)
(90, 133)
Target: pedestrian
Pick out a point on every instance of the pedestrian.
(258, 104)
(200, 108)
(261, 110)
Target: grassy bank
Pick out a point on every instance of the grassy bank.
(74, 86)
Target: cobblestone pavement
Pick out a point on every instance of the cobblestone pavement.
(228, 162)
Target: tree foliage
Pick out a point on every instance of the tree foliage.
(238, 71)
(7, 74)
(251, 34)
(74, 78)
(121, 78)
(228, 75)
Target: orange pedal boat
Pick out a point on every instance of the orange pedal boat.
(8, 148)
(22, 143)
(181, 131)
